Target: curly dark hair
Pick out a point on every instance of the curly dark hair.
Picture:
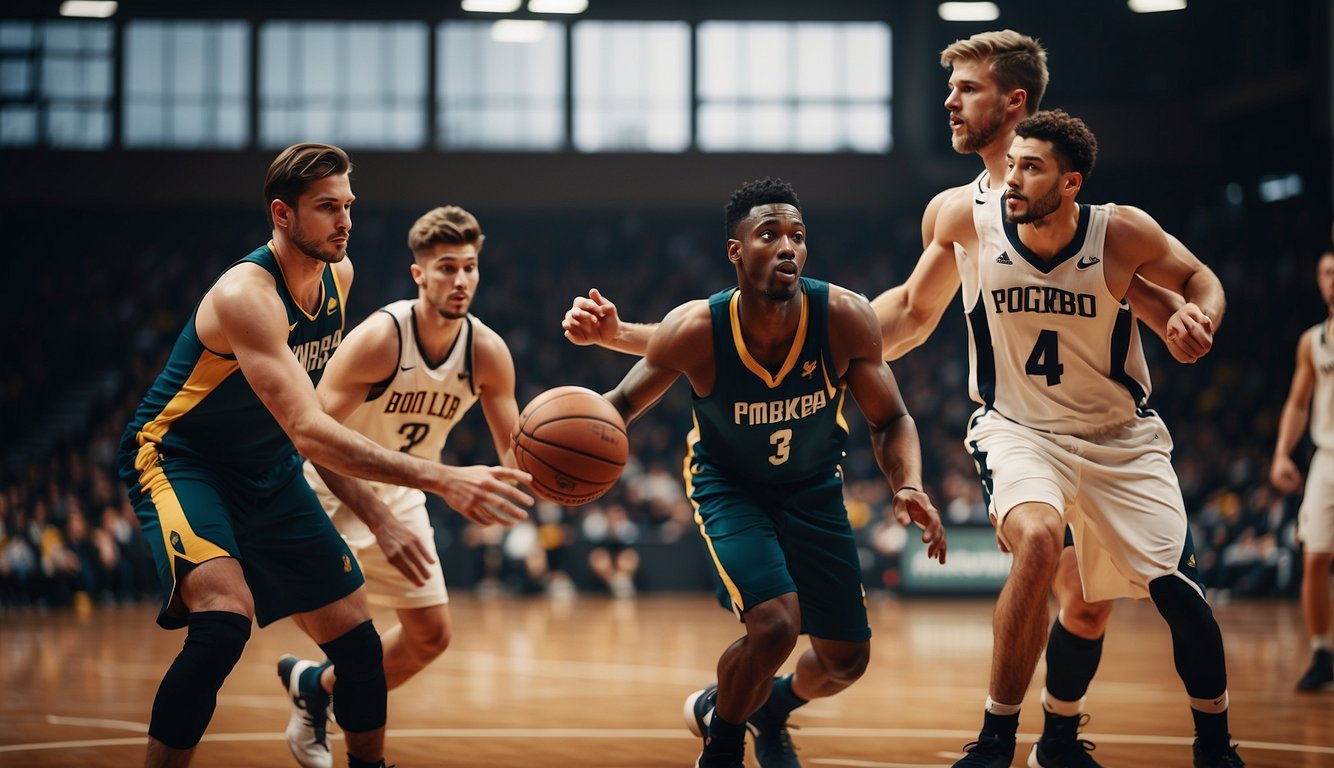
(757, 192)
(1072, 142)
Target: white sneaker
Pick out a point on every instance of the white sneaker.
(308, 719)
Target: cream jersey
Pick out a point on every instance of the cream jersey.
(1050, 346)
(1322, 397)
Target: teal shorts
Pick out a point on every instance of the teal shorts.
(293, 558)
(769, 540)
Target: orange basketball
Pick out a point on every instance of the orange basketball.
(572, 441)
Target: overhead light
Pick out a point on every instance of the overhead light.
(969, 11)
(1274, 188)
(88, 9)
(518, 30)
(1156, 6)
(557, 6)
(491, 6)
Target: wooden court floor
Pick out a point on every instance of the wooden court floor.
(600, 682)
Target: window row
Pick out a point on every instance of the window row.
(621, 86)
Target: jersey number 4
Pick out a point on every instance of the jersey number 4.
(1045, 359)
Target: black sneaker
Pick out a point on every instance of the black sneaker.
(987, 752)
(773, 743)
(698, 713)
(1060, 745)
(1228, 758)
(308, 716)
(1321, 672)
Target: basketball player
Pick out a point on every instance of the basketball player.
(770, 363)
(1064, 434)
(1313, 376)
(404, 377)
(211, 461)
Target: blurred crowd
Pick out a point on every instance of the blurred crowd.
(100, 314)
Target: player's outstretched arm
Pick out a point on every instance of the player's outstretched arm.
(594, 320)
(243, 313)
(893, 433)
(1283, 471)
(681, 343)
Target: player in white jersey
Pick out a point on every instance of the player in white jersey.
(1311, 397)
(1054, 342)
(404, 378)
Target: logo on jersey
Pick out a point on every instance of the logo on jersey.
(1191, 561)
(1043, 300)
(1087, 261)
(807, 369)
(776, 411)
(332, 306)
(176, 542)
(1004, 258)
(314, 354)
(291, 327)
(347, 564)
(979, 202)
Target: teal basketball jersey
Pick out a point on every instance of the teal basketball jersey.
(201, 405)
(770, 427)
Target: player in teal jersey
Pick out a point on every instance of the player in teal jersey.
(211, 461)
(770, 363)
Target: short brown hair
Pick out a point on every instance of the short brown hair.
(297, 167)
(1075, 146)
(1017, 61)
(446, 224)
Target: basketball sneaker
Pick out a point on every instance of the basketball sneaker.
(698, 715)
(773, 743)
(308, 716)
(1228, 758)
(1321, 672)
(1060, 745)
(989, 751)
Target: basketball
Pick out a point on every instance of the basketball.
(573, 442)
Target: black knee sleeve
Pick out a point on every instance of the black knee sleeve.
(1071, 663)
(359, 694)
(189, 691)
(1197, 643)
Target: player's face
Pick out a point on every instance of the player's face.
(322, 219)
(976, 105)
(1324, 278)
(447, 275)
(1035, 181)
(770, 250)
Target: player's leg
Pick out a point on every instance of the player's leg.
(1316, 610)
(343, 629)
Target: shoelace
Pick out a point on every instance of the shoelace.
(785, 738)
(984, 747)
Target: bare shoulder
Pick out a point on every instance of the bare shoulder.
(246, 287)
(487, 343)
(683, 337)
(954, 215)
(852, 322)
(845, 302)
(1134, 233)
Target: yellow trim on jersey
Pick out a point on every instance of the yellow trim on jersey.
(838, 415)
(208, 373)
(734, 310)
(171, 519)
(342, 297)
(689, 467)
(273, 248)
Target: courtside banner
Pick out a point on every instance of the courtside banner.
(974, 565)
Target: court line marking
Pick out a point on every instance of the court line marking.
(625, 733)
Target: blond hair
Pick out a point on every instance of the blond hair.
(1016, 60)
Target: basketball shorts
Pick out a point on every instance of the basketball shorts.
(1118, 494)
(190, 512)
(769, 540)
(1315, 519)
(385, 584)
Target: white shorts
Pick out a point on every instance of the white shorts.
(1315, 519)
(385, 584)
(1119, 495)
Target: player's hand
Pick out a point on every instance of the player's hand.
(404, 550)
(591, 320)
(1284, 475)
(912, 506)
(486, 495)
(1190, 334)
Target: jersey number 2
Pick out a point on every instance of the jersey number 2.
(782, 443)
(1045, 359)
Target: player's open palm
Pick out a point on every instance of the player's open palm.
(912, 506)
(487, 495)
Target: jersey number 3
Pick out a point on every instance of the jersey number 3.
(1045, 359)
(782, 443)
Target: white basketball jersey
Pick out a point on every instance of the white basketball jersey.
(1050, 346)
(417, 407)
(1322, 399)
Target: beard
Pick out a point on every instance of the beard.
(316, 249)
(985, 133)
(1037, 209)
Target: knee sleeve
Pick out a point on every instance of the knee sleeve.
(189, 691)
(1071, 663)
(1197, 643)
(359, 694)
